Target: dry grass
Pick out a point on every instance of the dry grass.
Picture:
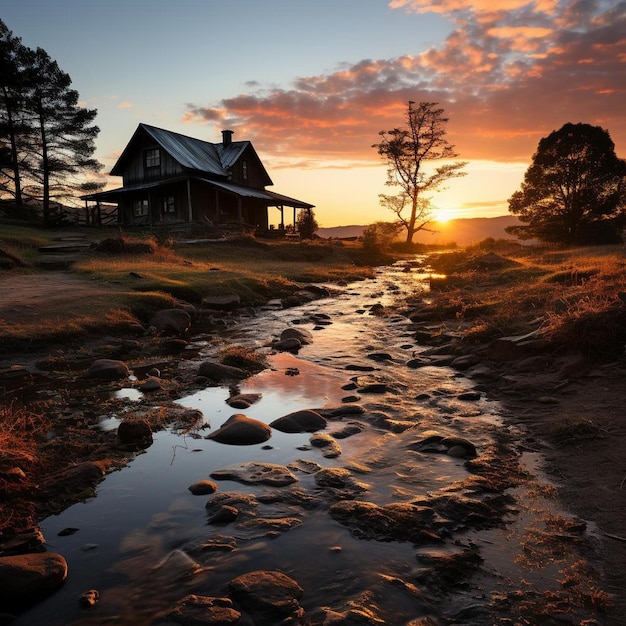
(574, 295)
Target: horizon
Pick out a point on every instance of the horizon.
(505, 78)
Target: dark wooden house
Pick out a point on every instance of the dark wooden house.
(169, 178)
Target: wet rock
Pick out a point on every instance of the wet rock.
(350, 429)
(342, 410)
(173, 345)
(26, 579)
(89, 599)
(402, 521)
(177, 565)
(243, 504)
(257, 473)
(222, 302)
(108, 369)
(171, 321)
(465, 362)
(380, 356)
(354, 367)
(241, 430)
(243, 400)
(134, 432)
(271, 526)
(330, 448)
(150, 384)
(515, 347)
(30, 540)
(266, 594)
(453, 446)
(194, 610)
(339, 482)
(217, 372)
(226, 514)
(203, 488)
(287, 345)
(304, 421)
(302, 335)
(470, 396)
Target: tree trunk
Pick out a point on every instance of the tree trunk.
(14, 156)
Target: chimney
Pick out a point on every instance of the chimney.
(227, 137)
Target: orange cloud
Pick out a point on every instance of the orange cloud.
(506, 78)
(124, 105)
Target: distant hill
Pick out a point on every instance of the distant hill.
(463, 231)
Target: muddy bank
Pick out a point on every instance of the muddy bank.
(422, 542)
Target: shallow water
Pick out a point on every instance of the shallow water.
(137, 538)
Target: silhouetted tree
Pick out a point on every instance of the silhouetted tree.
(46, 137)
(306, 224)
(574, 191)
(12, 91)
(406, 151)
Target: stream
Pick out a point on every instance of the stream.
(145, 540)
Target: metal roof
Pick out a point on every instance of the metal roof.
(191, 153)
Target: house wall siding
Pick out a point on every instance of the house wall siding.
(135, 171)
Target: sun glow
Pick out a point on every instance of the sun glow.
(443, 215)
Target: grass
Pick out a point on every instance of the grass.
(136, 275)
(572, 295)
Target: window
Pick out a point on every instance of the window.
(168, 205)
(141, 208)
(152, 158)
(244, 169)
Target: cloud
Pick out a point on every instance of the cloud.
(506, 77)
(125, 105)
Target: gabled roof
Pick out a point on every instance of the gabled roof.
(193, 154)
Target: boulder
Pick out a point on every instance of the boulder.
(266, 594)
(218, 372)
(193, 610)
(330, 448)
(134, 432)
(304, 421)
(108, 369)
(291, 344)
(241, 430)
(171, 321)
(26, 579)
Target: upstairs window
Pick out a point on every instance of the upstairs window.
(244, 169)
(152, 158)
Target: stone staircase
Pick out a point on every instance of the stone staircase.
(65, 250)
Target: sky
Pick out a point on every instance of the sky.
(311, 84)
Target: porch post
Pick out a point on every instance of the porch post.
(189, 210)
(239, 210)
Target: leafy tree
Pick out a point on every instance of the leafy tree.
(406, 151)
(306, 224)
(574, 191)
(377, 240)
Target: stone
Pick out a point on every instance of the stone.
(302, 335)
(257, 473)
(304, 421)
(268, 593)
(89, 598)
(150, 384)
(222, 302)
(287, 345)
(134, 432)
(241, 430)
(224, 515)
(171, 321)
(330, 448)
(173, 345)
(203, 487)
(108, 369)
(217, 372)
(194, 610)
(243, 400)
(26, 579)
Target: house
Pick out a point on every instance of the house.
(170, 179)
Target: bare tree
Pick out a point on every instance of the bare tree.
(406, 151)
